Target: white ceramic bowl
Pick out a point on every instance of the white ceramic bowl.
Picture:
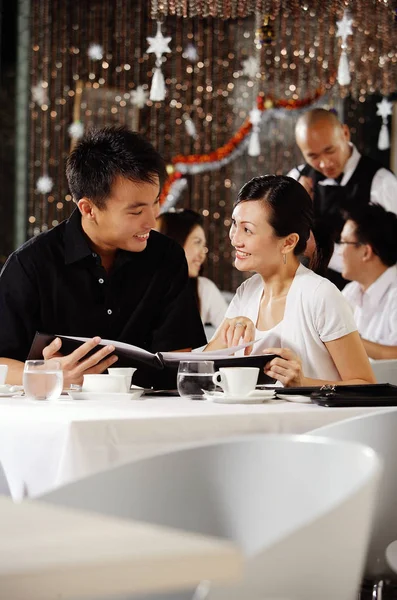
(104, 383)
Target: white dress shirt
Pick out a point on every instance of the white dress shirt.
(375, 310)
(213, 304)
(383, 191)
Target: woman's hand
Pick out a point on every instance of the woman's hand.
(286, 368)
(231, 332)
(77, 364)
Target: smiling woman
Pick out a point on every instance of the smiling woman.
(288, 309)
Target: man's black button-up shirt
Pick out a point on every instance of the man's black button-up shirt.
(56, 284)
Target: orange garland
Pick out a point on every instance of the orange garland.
(263, 104)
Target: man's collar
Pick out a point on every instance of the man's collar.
(380, 286)
(76, 245)
(351, 164)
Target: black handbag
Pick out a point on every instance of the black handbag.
(377, 394)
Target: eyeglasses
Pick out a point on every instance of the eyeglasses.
(342, 242)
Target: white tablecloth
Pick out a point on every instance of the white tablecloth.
(47, 444)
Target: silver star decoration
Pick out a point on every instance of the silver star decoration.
(385, 108)
(40, 93)
(139, 97)
(251, 66)
(44, 184)
(255, 116)
(76, 130)
(95, 52)
(344, 27)
(158, 44)
(190, 53)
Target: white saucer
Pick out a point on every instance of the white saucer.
(7, 391)
(254, 397)
(295, 398)
(135, 393)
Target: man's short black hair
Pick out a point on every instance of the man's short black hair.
(104, 154)
(377, 227)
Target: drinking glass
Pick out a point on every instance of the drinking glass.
(43, 379)
(195, 378)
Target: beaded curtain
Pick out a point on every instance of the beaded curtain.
(214, 91)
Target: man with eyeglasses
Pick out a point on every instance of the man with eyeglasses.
(368, 249)
(338, 177)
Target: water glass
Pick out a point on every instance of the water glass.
(195, 378)
(43, 379)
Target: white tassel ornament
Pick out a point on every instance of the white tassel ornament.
(344, 30)
(254, 148)
(343, 70)
(385, 109)
(157, 91)
(384, 138)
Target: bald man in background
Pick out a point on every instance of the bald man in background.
(338, 177)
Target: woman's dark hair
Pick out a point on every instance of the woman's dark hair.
(376, 227)
(179, 224)
(104, 154)
(291, 211)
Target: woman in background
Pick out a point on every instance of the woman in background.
(186, 227)
(287, 309)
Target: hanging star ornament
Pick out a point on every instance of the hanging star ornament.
(139, 97)
(190, 53)
(158, 44)
(44, 184)
(344, 27)
(95, 52)
(76, 130)
(40, 93)
(251, 66)
(385, 108)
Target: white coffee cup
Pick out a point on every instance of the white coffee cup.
(236, 381)
(126, 372)
(101, 382)
(3, 373)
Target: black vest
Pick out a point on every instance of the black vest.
(330, 201)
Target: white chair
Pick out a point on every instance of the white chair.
(379, 431)
(385, 370)
(4, 487)
(299, 508)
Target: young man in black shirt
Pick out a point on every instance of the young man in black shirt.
(103, 272)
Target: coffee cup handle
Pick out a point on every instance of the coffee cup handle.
(217, 378)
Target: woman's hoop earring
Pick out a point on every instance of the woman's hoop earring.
(285, 259)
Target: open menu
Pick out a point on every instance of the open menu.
(134, 356)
